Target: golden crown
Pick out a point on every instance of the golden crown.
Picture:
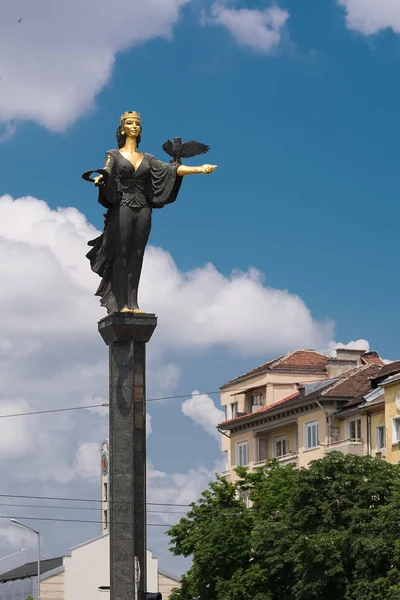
(130, 115)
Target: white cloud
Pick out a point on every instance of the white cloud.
(202, 410)
(203, 308)
(260, 30)
(87, 461)
(372, 16)
(51, 355)
(17, 434)
(179, 488)
(14, 537)
(149, 429)
(61, 54)
(353, 345)
(165, 377)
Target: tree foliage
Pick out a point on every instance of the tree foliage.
(329, 532)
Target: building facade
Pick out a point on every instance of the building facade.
(77, 575)
(304, 405)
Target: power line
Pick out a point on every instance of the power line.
(24, 518)
(13, 505)
(88, 500)
(106, 404)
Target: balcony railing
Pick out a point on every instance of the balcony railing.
(227, 475)
(349, 446)
(288, 459)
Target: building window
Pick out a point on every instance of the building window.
(380, 438)
(105, 520)
(311, 435)
(256, 399)
(234, 410)
(242, 454)
(105, 492)
(395, 430)
(334, 435)
(355, 430)
(225, 453)
(280, 446)
(262, 449)
(245, 496)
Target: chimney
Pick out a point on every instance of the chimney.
(346, 359)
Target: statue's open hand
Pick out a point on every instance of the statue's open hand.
(207, 169)
(99, 180)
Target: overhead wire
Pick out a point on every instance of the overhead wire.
(88, 500)
(107, 404)
(24, 518)
(13, 505)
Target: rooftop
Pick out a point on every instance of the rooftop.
(30, 569)
(386, 371)
(308, 361)
(351, 386)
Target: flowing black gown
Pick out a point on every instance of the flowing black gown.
(129, 196)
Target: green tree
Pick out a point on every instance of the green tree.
(30, 598)
(329, 532)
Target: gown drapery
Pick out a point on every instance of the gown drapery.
(152, 185)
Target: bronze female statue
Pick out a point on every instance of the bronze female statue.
(130, 184)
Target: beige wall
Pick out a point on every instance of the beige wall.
(281, 385)
(392, 450)
(166, 584)
(289, 431)
(248, 436)
(52, 588)
(226, 394)
(306, 456)
(343, 425)
(88, 566)
(377, 420)
(278, 385)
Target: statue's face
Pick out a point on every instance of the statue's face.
(131, 127)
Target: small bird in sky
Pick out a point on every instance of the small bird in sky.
(178, 150)
(19, 20)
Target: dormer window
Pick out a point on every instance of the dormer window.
(257, 399)
(234, 410)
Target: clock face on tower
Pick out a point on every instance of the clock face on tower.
(398, 401)
(104, 463)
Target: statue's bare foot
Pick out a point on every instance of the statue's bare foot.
(127, 310)
(137, 310)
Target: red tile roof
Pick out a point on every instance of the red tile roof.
(372, 357)
(354, 385)
(294, 396)
(296, 360)
(386, 371)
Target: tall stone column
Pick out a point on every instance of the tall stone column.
(126, 335)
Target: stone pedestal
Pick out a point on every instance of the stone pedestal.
(127, 334)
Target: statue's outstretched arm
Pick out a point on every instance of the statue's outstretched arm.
(183, 170)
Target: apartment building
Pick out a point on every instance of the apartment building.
(304, 404)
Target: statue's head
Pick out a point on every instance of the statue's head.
(130, 126)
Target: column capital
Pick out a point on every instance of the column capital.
(120, 328)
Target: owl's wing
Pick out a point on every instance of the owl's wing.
(167, 147)
(192, 148)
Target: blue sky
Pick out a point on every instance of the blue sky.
(301, 114)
